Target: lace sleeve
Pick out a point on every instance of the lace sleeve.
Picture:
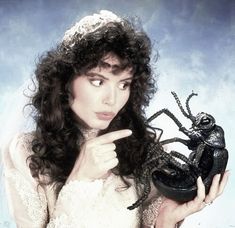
(26, 200)
(150, 213)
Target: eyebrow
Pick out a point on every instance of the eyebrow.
(115, 68)
(93, 74)
(106, 65)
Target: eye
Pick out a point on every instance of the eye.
(96, 82)
(124, 85)
(205, 121)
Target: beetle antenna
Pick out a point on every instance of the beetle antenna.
(180, 105)
(191, 117)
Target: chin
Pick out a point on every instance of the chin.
(100, 126)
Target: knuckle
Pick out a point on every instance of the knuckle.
(109, 137)
(198, 207)
(113, 146)
(115, 161)
(199, 200)
(114, 154)
(96, 161)
(88, 145)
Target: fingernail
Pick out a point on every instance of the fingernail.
(128, 132)
(199, 179)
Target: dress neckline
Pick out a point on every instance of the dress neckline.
(89, 133)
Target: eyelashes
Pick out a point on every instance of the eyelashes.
(96, 82)
(124, 85)
(99, 82)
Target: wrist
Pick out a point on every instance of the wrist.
(163, 221)
(78, 177)
(165, 218)
(167, 223)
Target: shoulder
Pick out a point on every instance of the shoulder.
(21, 140)
(17, 151)
(20, 146)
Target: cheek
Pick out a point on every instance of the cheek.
(82, 104)
(124, 99)
(82, 94)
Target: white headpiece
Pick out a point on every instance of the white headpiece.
(89, 24)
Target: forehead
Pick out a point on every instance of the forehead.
(111, 63)
(111, 60)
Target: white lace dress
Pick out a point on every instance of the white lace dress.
(98, 204)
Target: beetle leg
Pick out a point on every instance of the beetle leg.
(198, 154)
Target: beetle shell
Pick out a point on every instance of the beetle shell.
(216, 138)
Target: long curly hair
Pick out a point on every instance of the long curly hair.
(56, 140)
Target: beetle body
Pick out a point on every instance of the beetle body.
(177, 180)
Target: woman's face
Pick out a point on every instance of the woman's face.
(101, 93)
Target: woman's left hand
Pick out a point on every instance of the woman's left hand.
(172, 212)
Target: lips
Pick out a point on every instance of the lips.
(105, 115)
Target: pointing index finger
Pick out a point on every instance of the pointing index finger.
(112, 136)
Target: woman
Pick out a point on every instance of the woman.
(78, 168)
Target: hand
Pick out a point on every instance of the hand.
(172, 212)
(97, 157)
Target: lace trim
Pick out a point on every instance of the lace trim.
(89, 24)
(61, 222)
(150, 214)
(25, 140)
(35, 202)
(89, 133)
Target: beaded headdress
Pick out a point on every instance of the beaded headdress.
(89, 24)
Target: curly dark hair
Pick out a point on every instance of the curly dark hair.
(56, 141)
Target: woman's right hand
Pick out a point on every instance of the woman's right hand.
(97, 157)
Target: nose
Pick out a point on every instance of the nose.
(110, 96)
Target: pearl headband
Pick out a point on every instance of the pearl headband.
(89, 24)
